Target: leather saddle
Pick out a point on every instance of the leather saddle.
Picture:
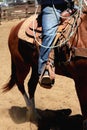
(31, 31)
(34, 29)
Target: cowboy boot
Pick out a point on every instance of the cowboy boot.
(47, 77)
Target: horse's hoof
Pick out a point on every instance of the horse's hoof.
(32, 115)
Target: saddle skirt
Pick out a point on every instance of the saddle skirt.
(30, 28)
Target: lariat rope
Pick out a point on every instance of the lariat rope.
(79, 12)
(85, 1)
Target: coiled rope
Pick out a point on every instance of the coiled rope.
(85, 1)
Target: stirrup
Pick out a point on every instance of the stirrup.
(47, 76)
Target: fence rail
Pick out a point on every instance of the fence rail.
(16, 12)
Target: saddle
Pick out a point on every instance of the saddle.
(31, 31)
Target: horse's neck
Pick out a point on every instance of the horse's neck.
(81, 35)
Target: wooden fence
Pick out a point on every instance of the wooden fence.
(16, 12)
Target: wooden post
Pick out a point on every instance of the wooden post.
(0, 14)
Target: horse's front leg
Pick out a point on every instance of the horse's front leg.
(31, 113)
(30, 104)
(31, 90)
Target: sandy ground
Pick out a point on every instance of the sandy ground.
(12, 105)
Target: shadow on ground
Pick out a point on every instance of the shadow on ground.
(50, 119)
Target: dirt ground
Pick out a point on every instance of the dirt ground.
(12, 105)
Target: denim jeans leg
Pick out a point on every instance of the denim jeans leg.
(50, 22)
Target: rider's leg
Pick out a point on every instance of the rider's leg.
(50, 21)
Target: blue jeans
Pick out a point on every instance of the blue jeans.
(50, 21)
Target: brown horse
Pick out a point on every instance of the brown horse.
(25, 56)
